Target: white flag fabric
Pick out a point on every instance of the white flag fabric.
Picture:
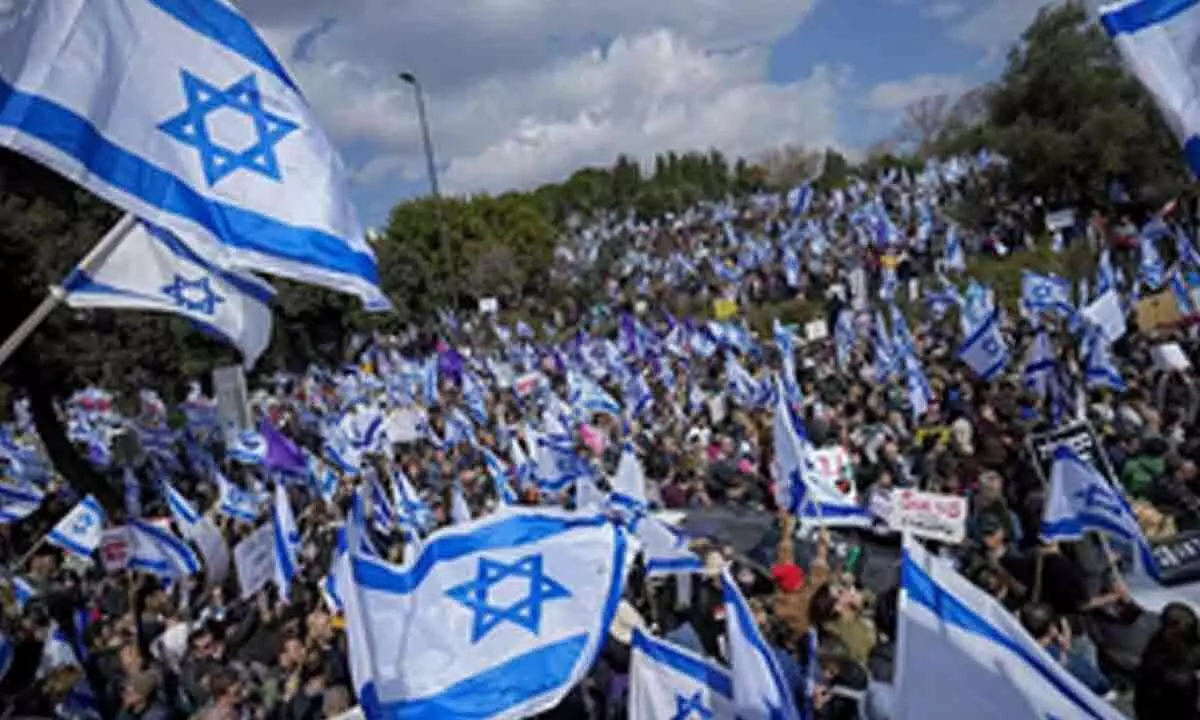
(963, 655)
(18, 502)
(665, 550)
(285, 536)
(629, 484)
(234, 502)
(1157, 38)
(150, 269)
(211, 140)
(667, 681)
(185, 516)
(498, 618)
(760, 690)
(985, 350)
(156, 551)
(79, 530)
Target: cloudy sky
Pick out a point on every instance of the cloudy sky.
(522, 92)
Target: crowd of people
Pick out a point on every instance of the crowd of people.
(462, 418)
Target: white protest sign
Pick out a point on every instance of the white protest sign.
(213, 549)
(933, 516)
(1105, 313)
(233, 406)
(832, 476)
(489, 306)
(404, 425)
(114, 548)
(816, 330)
(1060, 220)
(254, 559)
(1169, 356)
(528, 384)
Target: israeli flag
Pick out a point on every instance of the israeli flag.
(505, 494)
(79, 530)
(498, 618)
(1099, 370)
(22, 591)
(247, 447)
(760, 690)
(1040, 365)
(985, 350)
(156, 551)
(664, 549)
(58, 651)
(1157, 38)
(213, 140)
(234, 502)
(1045, 293)
(1106, 276)
(1081, 500)
(667, 681)
(18, 502)
(799, 199)
(955, 259)
(150, 269)
(963, 655)
(184, 514)
(588, 398)
(460, 511)
(629, 484)
(285, 536)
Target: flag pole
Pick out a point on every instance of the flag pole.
(57, 294)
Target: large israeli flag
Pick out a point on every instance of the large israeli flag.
(79, 530)
(150, 269)
(963, 655)
(985, 350)
(760, 690)
(178, 112)
(667, 681)
(1157, 38)
(497, 618)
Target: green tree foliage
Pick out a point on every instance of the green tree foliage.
(1071, 118)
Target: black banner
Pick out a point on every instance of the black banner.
(1081, 438)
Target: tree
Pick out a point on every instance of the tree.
(790, 165)
(924, 120)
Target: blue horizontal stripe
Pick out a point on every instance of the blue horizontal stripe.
(125, 172)
(922, 589)
(490, 692)
(673, 565)
(508, 533)
(683, 663)
(246, 284)
(224, 26)
(69, 545)
(1143, 14)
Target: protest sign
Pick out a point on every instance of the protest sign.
(932, 516)
(489, 306)
(528, 384)
(254, 559)
(1105, 313)
(1060, 220)
(725, 309)
(1169, 356)
(816, 330)
(404, 425)
(832, 471)
(1159, 310)
(114, 548)
(213, 549)
(1081, 438)
(229, 386)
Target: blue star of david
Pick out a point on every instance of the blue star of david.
(191, 127)
(193, 295)
(691, 708)
(525, 612)
(1097, 497)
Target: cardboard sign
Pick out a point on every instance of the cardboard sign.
(254, 559)
(1158, 311)
(114, 548)
(933, 516)
(1081, 438)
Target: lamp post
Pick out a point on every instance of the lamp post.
(431, 170)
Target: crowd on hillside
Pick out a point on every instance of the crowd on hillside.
(465, 417)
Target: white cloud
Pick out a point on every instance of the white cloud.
(945, 10)
(525, 91)
(995, 24)
(896, 95)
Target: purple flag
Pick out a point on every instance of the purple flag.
(450, 364)
(282, 453)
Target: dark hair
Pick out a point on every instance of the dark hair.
(1038, 619)
(822, 608)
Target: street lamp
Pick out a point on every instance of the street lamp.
(431, 169)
